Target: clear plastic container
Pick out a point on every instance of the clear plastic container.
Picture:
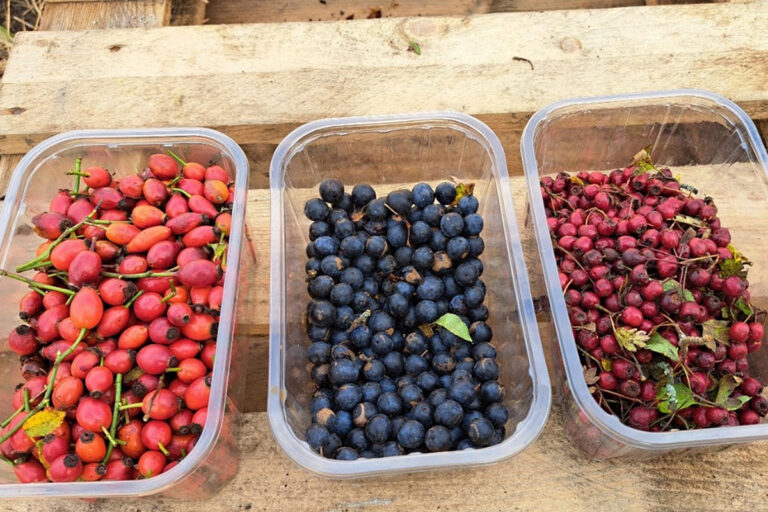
(715, 147)
(389, 152)
(37, 178)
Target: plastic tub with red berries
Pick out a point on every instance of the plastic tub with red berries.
(149, 370)
(649, 212)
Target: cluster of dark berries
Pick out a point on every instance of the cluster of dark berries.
(657, 297)
(384, 275)
(117, 344)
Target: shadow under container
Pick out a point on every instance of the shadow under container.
(36, 180)
(392, 152)
(714, 146)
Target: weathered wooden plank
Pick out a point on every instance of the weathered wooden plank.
(188, 12)
(7, 165)
(550, 475)
(89, 14)
(55, 83)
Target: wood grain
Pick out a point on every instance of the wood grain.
(550, 475)
(89, 14)
(188, 12)
(55, 83)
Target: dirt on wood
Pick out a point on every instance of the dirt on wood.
(17, 16)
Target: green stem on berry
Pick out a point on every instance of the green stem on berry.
(26, 399)
(47, 253)
(182, 192)
(171, 293)
(115, 417)
(176, 157)
(173, 370)
(133, 299)
(131, 406)
(163, 449)
(35, 284)
(160, 384)
(77, 174)
(148, 273)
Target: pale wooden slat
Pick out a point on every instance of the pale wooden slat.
(54, 83)
(90, 14)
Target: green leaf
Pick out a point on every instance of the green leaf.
(674, 397)
(717, 330)
(735, 266)
(643, 160)
(669, 285)
(742, 306)
(631, 339)
(607, 364)
(454, 324)
(43, 422)
(661, 345)
(691, 221)
(463, 189)
(660, 370)
(734, 403)
(727, 384)
(414, 47)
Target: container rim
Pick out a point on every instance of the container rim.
(218, 396)
(609, 423)
(527, 430)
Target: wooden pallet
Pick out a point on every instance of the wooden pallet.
(263, 80)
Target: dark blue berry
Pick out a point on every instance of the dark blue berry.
(371, 287)
(352, 247)
(332, 266)
(353, 276)
(393, 361)
(478, 314)
(319, 352)
(410, 394)
(363, 412)
(361, 336)
(430, 288)
(492, 391)
(336, 215)
(347, 396)
(474, 295)
(399, 201)
(469, 416)
(466, 274)
(343, 371)
(421, 412)
(318, 403)
(331, 190)
(342, 424)
(381, 343)
(397, 234)
(371, 391)
(387, 264)
(427, 381)
(387, 384)
(378, 429)
(426, 312)
(449, 413)
(320, 287)
(374, 370)
(343, 228)
(376, 246)
(462, 391)
(316, 436)
(422, 195)
(377, 209)
(486, 369)
(415, 342)
(356, 439)
(362, 194)
(481, 432)
(443, 363)
(476, 246)
(473, 224)
(432, 214)
(380, 321)
(452, 224)
(445, 193)
(421, 233)
(326, 245)
(498, 414)
(389, 403)
(320, 312)
(411, 435)
(403, 255)
(439, 242)
(481, 350)
(398, 305)
(312, 266)
(414, 364)
(457, 248)
(437, 439)
(467, 205)
(423, 258)
(392, 449)
(319, 374)
(341, 294)
(316, 209)
(480, 332)
(438, 396)
(457, 305)
(330, 446)
(318, 229)
(346, 453)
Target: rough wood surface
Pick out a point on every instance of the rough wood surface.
(550, 475)
(56, 82)
(89, 14)
(188, 12)
(264, 11)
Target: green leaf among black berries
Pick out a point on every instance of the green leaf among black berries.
(674, 397)
(670, 285)
(454, 324)
(663, 346)
(736, 266)
(724, 399)
(716, 330)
